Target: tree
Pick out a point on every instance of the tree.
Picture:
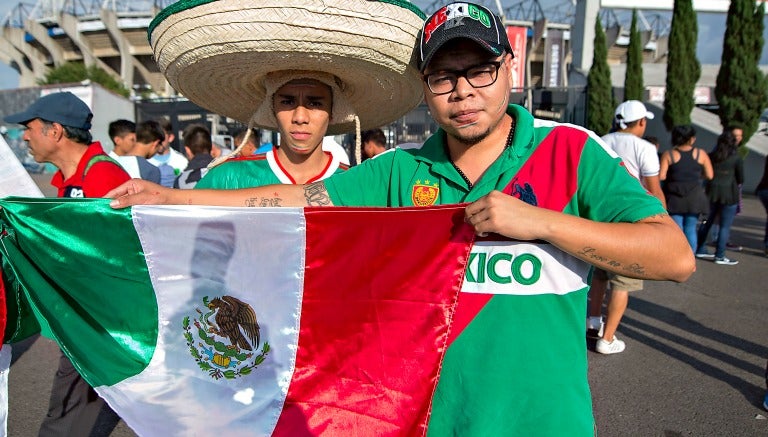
(633, 79)
(741, 87)
(683, 69)
(73, 72)
(600, 102)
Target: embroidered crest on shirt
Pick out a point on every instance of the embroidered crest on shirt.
(424, 194)
(524, 192)
(227, 346)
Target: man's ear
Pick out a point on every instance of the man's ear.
(58, 130)
(507, 60)
(189, 152)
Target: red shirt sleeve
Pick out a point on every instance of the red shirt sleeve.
(102, 177)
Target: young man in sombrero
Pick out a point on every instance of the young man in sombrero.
(299, 106)
(547, 200)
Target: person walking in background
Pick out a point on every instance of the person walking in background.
(723, 193)
(197, 144)
(374, 142)
(250, 146)
(682, 170)
(123, 135)
(170, 162)
(762, 194)
(58, 131)
(149, 137)
(738, 133)
(642, 161)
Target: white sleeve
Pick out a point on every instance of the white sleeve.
(648, 160)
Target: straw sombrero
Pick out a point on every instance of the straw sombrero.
(219, 54)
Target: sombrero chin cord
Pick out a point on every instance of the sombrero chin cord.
(235, 152)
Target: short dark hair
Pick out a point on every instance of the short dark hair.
(119, 128)
(241, 134)
(148, 132)
(165, 124)
(76, 134)
(375, 135)
(651, 139)
(197, 138)
(682, 134)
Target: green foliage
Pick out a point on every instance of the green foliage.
(633, 80)
(683, 69)
(68, 73)
(741, 88)
(73, 72)
(600, 104)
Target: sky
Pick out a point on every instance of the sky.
(708, 50)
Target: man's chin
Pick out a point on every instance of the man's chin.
(470, 137)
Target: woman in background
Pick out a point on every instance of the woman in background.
(682, 170)
(723, 193)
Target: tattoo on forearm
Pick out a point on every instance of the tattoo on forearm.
(590, 254)
(635, 268)
(316, 194)
(263, 202)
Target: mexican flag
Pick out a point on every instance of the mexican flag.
(276, 321)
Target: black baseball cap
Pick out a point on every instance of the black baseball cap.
(64, 108)
(462, 20)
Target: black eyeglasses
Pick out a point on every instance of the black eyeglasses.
(479, 76)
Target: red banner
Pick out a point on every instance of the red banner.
(518, 39)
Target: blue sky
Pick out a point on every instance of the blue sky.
(708, 50)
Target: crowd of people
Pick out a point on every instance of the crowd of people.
(613, 206)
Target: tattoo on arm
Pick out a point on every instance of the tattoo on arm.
(316, 194)
(263, 202)
(590, 254)
(635, 268)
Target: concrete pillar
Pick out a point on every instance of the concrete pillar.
(583, 34)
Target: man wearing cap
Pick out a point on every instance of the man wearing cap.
(642, 161)
(58, 131)
(547, 201)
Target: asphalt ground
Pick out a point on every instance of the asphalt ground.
(693, 366)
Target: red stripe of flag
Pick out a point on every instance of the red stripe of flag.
(379, 294)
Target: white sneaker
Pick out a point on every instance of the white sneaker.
(725, 261)
(612, 347)
(595, 327)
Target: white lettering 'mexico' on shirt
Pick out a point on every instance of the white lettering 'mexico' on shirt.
(522, 268)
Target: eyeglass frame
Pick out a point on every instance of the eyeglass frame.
(463, 73)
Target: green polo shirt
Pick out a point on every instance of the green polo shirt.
(516, 363)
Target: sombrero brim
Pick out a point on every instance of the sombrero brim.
(216, 53)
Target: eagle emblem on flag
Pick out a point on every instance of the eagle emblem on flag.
(424, 193)
(227, 346)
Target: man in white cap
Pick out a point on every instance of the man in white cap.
(642, 161)
(549, 200)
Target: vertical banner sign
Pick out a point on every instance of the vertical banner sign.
(553, 59)
(518, 39)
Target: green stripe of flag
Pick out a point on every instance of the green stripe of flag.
(57, 282)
